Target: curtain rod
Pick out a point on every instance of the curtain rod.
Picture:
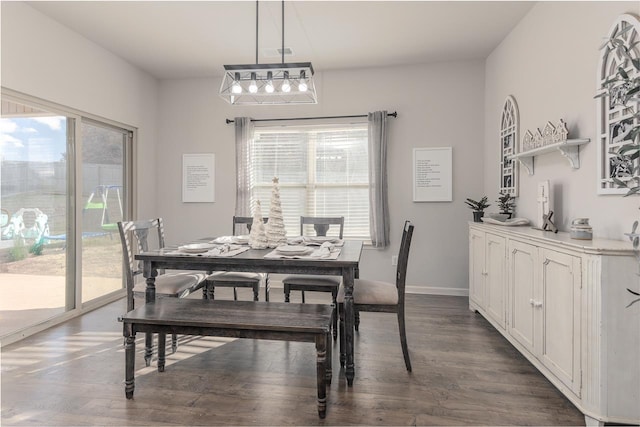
(394, 114)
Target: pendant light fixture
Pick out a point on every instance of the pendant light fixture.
(269, 84)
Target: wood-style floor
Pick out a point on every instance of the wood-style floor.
(464, 373)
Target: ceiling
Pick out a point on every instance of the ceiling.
(194, 39)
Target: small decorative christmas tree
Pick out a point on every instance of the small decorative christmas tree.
(276, 234)
(257, 235)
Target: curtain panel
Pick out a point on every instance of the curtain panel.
(244, 137)
(378, 192)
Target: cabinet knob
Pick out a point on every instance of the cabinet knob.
(484, 273)
(535, 303)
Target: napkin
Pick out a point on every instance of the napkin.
(324, 251)
(222, 249)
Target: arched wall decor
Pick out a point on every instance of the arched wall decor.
(614, 118)
(509, 136)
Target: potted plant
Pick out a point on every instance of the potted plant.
(507, 204)
(478, 207)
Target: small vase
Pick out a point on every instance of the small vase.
(477, 215)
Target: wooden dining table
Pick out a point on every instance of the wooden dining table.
(253, 260)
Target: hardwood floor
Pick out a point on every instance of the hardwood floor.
(464, 373)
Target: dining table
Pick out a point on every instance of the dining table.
(346, 265)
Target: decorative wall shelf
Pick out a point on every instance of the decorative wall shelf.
(569, 148)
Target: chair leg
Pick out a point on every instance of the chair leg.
(287, 294)
(174, 343)
(266, 289)
(211, 291)
(356, 323)
(256, 292)
(205, 293)
(343, 356)
(235, 294)
(335, 314)
(303, 297)
(403, 339)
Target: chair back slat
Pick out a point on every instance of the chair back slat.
(403, 260)
(321, 224)
(247, 221)
(138, 231)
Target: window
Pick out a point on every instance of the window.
(322, 170)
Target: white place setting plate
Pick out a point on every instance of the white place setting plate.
(196, 248)
(294, 250)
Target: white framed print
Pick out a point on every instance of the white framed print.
(432, 174)
(198, 178)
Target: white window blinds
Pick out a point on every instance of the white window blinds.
(323, 171)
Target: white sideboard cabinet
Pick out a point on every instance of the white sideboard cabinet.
(562, 303)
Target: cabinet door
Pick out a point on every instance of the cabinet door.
(476, 267)
(495, 283)
(522, 277)
(559, 315)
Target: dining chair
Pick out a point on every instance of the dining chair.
(377, 296)
(175, 284)
(317, 283)
(232, 279)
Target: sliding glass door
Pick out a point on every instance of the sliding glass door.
(104, 201)
(34, 202)
(64, 184)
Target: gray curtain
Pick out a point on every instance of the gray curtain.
(244, 138)
(378, 193)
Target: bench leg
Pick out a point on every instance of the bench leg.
(343, 356)
(321, 350)
(329, 363)
(130, 362)
(162, 348)
(148, 348)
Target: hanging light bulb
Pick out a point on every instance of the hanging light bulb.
(253, 87)
(269, 87)
(235, 87)
(302, 86)
(286, 86)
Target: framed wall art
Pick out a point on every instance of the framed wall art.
(509, 135)
(198, 178)
(615, 118)
(432, 174)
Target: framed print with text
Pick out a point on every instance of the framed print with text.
(432, 174)
(198, 178)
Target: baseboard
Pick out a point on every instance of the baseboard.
(434, 290)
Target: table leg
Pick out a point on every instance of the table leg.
(150, 273)
(162, 348)
(130, 361)
(321, 350)
(348, 280)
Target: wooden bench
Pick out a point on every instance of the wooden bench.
(237, 319)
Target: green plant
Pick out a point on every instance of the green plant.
(507, 203)
(478, 206)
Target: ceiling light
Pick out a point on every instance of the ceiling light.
(269, 86)
(253, 87)
(235, 87)
(261, 89)
(302, 86)
(286, 85)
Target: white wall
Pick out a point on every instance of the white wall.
(548, 63)
(439, 105)
(44, 59)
